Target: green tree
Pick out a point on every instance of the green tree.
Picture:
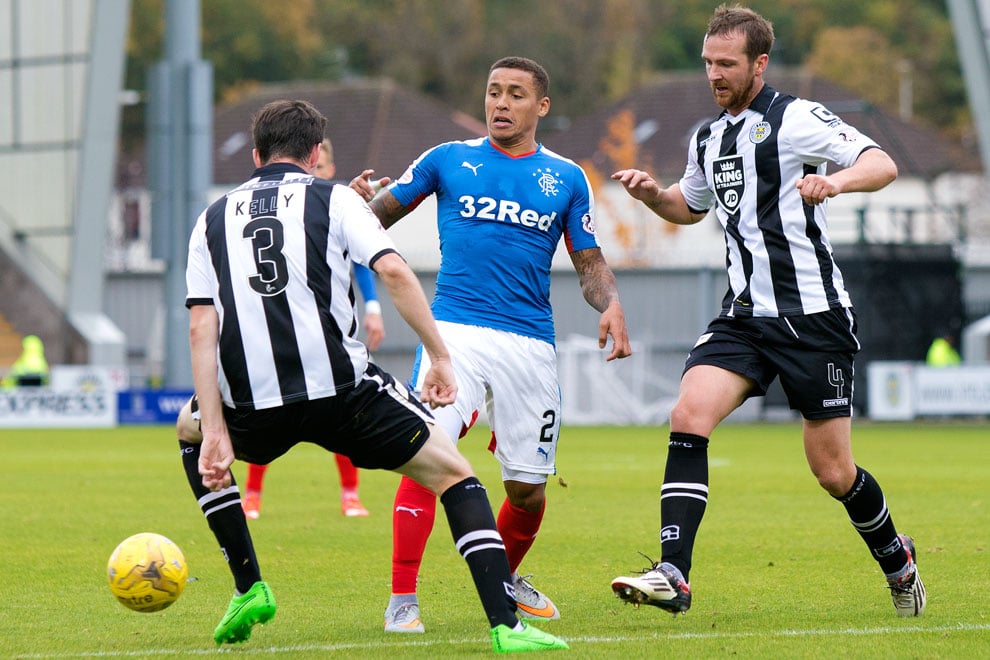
(852, 56)
(595, 51)
(246, 41)
(260, 41)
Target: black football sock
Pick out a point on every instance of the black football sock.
(867, 509)
(683, 498)
(469, 515)
(226, 518)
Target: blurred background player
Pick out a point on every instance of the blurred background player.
(276, 362)
(374, 325)
(374, 333)
(503, 204)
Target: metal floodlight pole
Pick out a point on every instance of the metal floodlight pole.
(180, 124)
(970, 21)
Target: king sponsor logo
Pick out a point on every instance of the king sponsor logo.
(729, 178)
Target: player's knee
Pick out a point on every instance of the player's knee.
(834, 479)
(679, 415)
(438, 466)
(187, 428)
(439, 484)
(459, 468)
(688, 417)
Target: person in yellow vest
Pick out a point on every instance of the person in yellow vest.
(31, 368)
(942, 353)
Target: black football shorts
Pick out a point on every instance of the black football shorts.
(812, 355)
(378, 424)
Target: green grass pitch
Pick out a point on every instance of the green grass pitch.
(779, 571)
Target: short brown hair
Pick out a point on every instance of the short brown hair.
(287, 129)
(758, 30)
(540, 75)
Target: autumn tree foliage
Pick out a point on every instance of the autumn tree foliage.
(596, 52)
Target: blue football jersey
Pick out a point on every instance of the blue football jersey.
(500, 218)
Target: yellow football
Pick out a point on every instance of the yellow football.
(147, 572)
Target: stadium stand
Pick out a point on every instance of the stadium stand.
(10, 344)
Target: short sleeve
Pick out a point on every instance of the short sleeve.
(579, 230)
(362, 233)
(817, 135)
(421, 179)
(694, 184)
(201, 281)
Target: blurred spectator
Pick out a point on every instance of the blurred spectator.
(943, 353)
(31, 368)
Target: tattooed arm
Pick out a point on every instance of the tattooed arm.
(600, 290)
(384, 204)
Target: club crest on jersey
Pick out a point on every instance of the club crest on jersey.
(587, 223)
(548, 181)
(760, 132)
(730, 181)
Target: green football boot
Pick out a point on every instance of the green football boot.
(507, 640)
(255, 606)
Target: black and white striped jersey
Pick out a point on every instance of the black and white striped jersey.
(274, 257)
(778, 253)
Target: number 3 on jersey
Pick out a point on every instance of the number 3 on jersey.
(267, 241)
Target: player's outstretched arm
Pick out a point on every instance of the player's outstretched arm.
(382, 202)
(364, 186)
(668, 203)
(600, 290)
(873, 170)
(440, 387)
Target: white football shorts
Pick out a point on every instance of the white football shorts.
(515, 377)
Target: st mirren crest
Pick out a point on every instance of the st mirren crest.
(760, 132)
(548, 181)
(730, 182)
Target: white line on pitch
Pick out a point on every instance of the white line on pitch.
(378, 644)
